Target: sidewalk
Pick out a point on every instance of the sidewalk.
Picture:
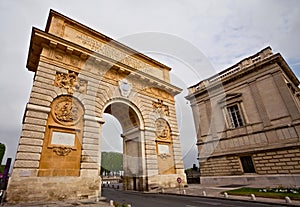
(215, 192)
(65, 203)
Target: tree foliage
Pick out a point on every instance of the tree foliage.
(2, 151)
(111, 161)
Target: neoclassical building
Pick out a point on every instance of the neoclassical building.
(247, 119)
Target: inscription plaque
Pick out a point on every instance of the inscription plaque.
(163, 149)
(62, 138)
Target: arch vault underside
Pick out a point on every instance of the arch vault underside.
(79, 75)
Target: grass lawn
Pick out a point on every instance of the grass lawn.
(293, 193)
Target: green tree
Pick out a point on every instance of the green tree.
(111, 161)
(2, 151)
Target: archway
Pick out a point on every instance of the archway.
(111, 151)
(133, 143)
(71, 60)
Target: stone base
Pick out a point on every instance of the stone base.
(258, 180)
(135, 183)
(25, 189)
(165, 181)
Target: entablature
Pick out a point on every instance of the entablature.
(60, 52)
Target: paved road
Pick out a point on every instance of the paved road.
(137, 199)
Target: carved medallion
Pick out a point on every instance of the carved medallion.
(125, 87)
(66, 110)
(162, 129)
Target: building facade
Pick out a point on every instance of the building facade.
(248, 123)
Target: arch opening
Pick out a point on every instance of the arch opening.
(132, 140)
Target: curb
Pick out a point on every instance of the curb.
(217, 198)
(232, 199)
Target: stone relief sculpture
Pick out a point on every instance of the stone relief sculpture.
(62, 151)
(70, 81)
(161, 108)
(66, 111)
(162, 129)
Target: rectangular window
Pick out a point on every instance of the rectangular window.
(247, 164)
(235, 116)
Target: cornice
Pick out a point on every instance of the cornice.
(217, 81)
(41, 39)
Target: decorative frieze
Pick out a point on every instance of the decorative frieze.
(117, 55)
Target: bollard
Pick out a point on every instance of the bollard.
(287, 199)
(111, 203)
(226, 195)
(253, 197)
(162, 190)
(184, 192)
(204, 193)
(97, 196)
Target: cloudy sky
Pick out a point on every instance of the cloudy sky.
(196, 38)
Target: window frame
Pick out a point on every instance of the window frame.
(235, 118)
(228, 101)
(250, 168)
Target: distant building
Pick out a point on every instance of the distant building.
(193, 175)
(248, 123)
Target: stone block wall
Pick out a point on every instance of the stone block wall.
(221, 166)
(56, 188)
(280, 161)
(276, 161)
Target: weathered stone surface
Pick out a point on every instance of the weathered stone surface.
(27, 148)
(55, 189)
(31, 141)
(32, 134)
(26, 164)
(28, 156)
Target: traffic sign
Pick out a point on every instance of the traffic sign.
(179, 180)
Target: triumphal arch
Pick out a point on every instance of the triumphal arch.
(79, 75)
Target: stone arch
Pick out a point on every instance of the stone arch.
(132, 124)
(129, 104)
